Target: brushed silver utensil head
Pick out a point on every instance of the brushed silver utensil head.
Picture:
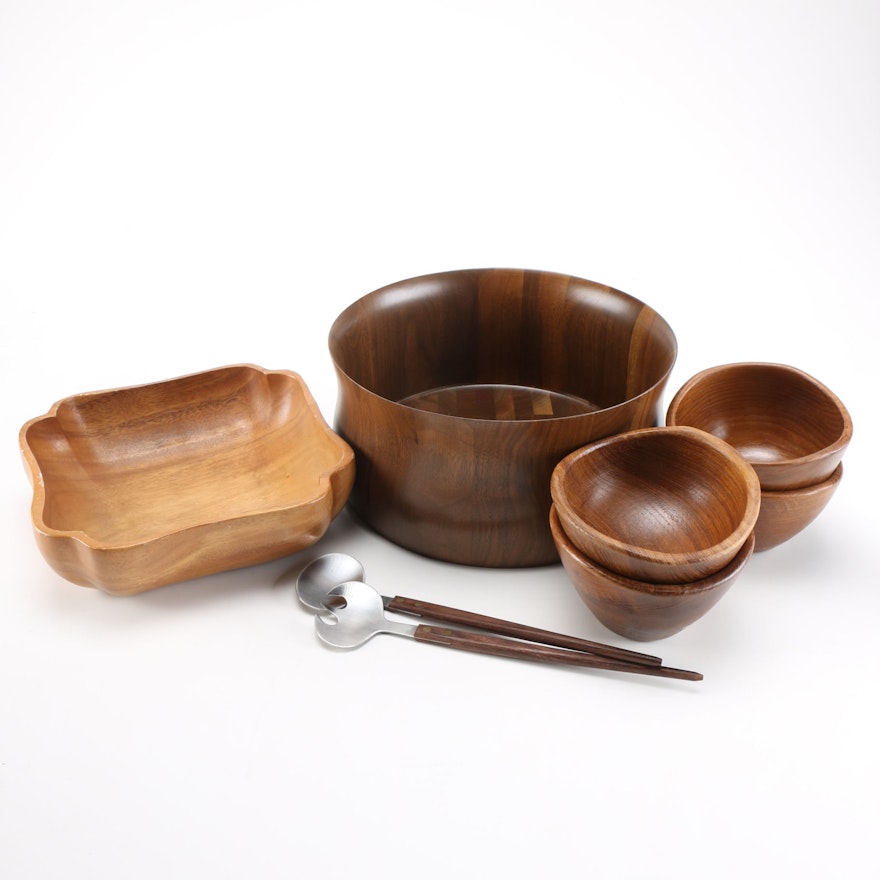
(361, 617)
(321, 575)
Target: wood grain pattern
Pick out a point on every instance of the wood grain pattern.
(498, 402)
(419, 608)
(788, 425)
(786, 513)
(668, 505)
(506, 371)
(483, 643)
(139, 487)
(640, 610)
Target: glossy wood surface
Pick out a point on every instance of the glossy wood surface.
(460, 392)
(786, 513)
(792, 429)
(640, 610)
(138, 487)
(524, 632)
(484, 643)
(668, 505)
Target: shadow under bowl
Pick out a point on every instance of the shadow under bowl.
(785, 513)
(139, 487)
(786, 424)
(460, 391)
(639, 610)
(666, 505)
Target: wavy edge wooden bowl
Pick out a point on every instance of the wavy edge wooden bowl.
(639, 610)
(204, 447)
(786, 513)
(695, 472)
(696, 403)
(469, 490)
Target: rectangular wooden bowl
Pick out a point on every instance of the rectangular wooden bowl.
(139, 487)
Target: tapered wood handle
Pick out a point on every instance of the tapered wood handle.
(499, 646)
(417, 608)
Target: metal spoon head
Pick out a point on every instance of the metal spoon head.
(321, 575)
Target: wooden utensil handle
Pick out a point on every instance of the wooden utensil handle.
(498, 646)
(404, 605)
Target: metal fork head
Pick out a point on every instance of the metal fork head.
(359, 619)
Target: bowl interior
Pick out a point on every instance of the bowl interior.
(768, 412)
(503, 344)
(664, 491)
(129, 465)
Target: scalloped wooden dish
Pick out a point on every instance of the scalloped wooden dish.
(139, 487)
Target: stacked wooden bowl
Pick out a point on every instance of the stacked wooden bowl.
(653, 526)
(788, 425)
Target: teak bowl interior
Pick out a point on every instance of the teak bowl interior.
(460, 391)
(502, 344)
(660, 504)
(788, 425)
(237, 448)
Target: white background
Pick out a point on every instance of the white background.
(185, 185)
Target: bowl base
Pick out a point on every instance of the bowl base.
(499, 402)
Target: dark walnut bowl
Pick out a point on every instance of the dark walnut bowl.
(667, 505)
(139, 487)
(460, 392)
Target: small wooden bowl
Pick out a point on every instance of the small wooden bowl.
(139, 487)
(666, 505)
(460, 392)
(639, 610)
(785, 513)
(788, 425)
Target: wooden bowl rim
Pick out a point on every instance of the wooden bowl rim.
(733, 542)
(442, 417)
(323, 487)
(840, 443)
(806, 491)
(690, 588)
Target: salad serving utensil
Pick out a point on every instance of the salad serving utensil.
(362, 616)
(315, 587)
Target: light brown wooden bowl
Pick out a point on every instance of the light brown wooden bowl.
(785, 513)
(637, 609)
(459, 393)
(139, 487)
(788, 425)
(668, 505)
